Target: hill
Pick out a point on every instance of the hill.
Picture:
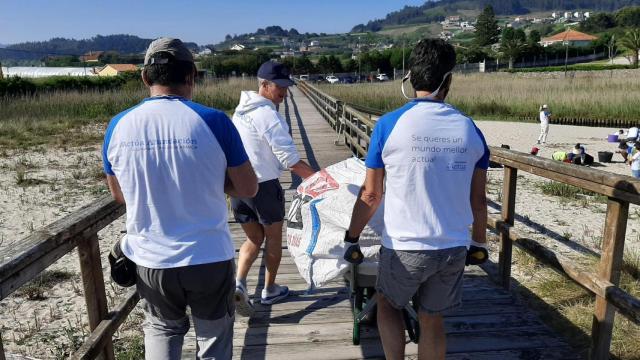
(433, 11)
(123, 44)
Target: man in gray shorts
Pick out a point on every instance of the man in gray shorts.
(431, 161)
(265, 135)
(170, 161)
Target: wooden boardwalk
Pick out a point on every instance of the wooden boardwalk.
(491, 324)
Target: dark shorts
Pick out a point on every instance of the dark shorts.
(266, 208)
(434, 275)
(207, 289)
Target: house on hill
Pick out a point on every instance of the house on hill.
(570, 37)
(91, 56)
(237, 47)
(117, 69)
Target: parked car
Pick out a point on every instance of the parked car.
(304, 77)
(332, 79)
(347, 79)
(382, 77)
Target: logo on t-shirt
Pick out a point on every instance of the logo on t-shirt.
(457, 166)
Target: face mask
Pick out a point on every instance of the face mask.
(431, 96)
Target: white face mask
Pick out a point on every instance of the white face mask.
(431, 96)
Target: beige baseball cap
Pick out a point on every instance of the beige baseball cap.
(172, 46)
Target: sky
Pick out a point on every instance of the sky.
(200, 21)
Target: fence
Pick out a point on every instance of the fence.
(355, 125)
(45, 246)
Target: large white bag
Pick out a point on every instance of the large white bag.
(318, 217)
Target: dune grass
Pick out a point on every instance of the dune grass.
(62, 117)
(504, 96)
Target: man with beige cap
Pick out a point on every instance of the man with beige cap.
(171, 161)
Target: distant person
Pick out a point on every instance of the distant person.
(545, 117)
(534, 151)
(634, 161)
(560, 156)
(431, 199)
(624, 150)
(632, 135)
(171, 160)
(271, 149)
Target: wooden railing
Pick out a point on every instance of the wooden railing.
(45, 246)
(356, 126)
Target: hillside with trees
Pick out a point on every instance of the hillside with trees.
(434, 11)
(36, 50)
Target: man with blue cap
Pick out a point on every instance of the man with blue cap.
(265, 135)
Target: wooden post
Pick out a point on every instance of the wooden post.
(610, 264)
(93, 282)
(508, 215)
(1, 350)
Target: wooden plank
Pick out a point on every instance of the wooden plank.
(94, 292)
(105, 330)
(627, 305)
(599, 181)
(609, 269)
(43, 247)
(508, 216)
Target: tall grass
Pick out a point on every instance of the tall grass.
(61, 116)
(504, 96)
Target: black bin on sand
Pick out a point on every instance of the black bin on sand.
(604, 156)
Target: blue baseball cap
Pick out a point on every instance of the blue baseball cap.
(276, 73)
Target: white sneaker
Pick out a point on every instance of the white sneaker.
(279, 293)
(244, 307)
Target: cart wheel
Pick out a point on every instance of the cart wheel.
(356, 333)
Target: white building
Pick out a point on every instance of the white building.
(237, 47)
(38, 72)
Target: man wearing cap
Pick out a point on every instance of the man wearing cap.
(171, 160)
(428, 161)
(545, 116)
(271, 149)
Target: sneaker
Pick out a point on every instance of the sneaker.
(278, 294)
(244, 307)
(538, 141)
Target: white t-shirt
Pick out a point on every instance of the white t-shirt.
(170, 156)
(265, 135)
(429, 151)
(635, 160)
(544, 117)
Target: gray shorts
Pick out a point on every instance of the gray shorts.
(208, 291)
(434, 275)
(266, 208)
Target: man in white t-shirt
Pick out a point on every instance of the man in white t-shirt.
(431, 161)
(545, 117)
(171, 160)
(271, 149)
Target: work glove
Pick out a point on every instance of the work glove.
(477, 253)
(353, 253)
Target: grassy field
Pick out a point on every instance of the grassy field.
(503, 96)
(51, 118)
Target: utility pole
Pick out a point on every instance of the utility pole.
(404, 44)
(566, 53)
(359, 58)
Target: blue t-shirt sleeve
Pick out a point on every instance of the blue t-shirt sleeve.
(106, 164)
(483, 162)
(374, 153)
